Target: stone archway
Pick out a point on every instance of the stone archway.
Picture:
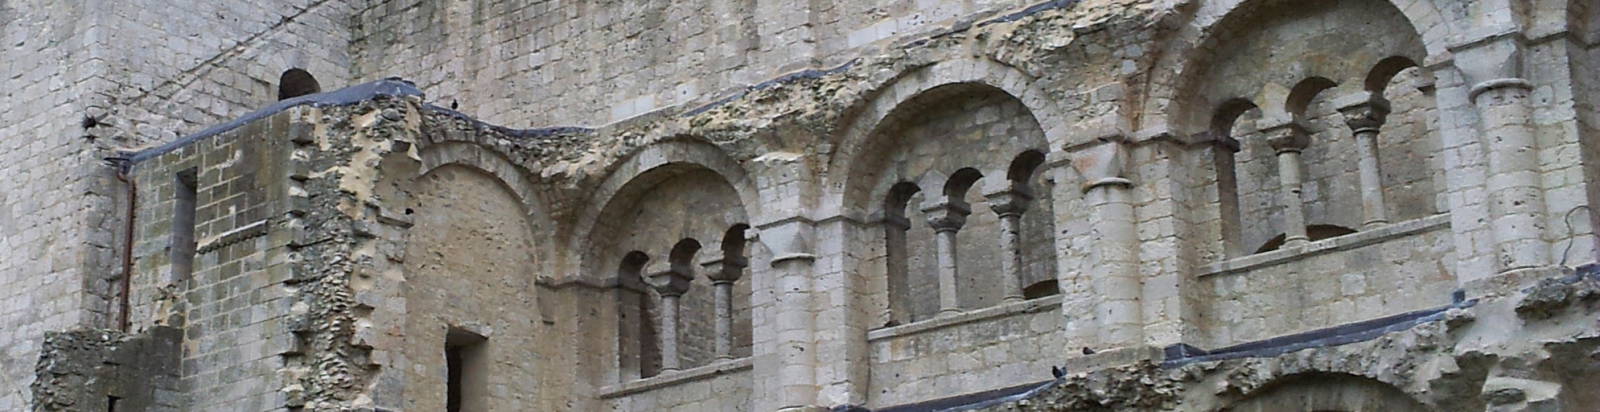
(1327, 392)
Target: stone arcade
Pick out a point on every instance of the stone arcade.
(1178, 205)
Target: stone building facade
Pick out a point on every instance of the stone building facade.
(751, 205)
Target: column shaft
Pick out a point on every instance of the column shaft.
(1288, 139)
(1115, 257)
(1294, 212)
(1009, 205)
(947, 218)
(949, 302)
(724, 308)
(796, 360)
(1516, 201)
(669, 333)
(1011, 259)
(1372, 203)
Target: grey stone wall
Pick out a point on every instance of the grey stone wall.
(234, 304)
(602, 61)
(103, 370)
(312, 290)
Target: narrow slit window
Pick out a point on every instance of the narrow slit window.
(183, 209)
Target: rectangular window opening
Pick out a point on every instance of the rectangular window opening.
(464, 371)
(182, 247)
(111, 403)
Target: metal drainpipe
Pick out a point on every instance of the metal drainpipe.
(123, 167)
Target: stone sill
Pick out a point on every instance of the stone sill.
(992, 312)
(674, 378)
(1330, 245)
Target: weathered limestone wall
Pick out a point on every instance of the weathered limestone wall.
(107, 371)
(1467, 358)
(1358, 277)
(233, 300)
(312, 290)
(229, 56)
(612, 60)
(957, 128)
(1288, 91)
(722, 387)
(53, 255)
(987, 349)
(146, 72)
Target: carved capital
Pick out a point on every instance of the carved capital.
(1364, 112)
(1102, 163)
(1287, 137)
(1010, 202)
(947, 216)
(787, 239)
(671, 282)
(725, 269)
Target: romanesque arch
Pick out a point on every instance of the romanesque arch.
(1319, 392)
(943, 172)
(1359, 126)
(471, 277)
(659, 234)
(1322, 127)
(1186, 53)
(510, 176)
(854, 136)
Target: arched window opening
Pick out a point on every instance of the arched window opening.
(1377, 80)
(1315, 232)
(682, 256)
(1223, 124)
(1023, 167)
(955, 190)
(1041, 289)
(1326, 392)
(295, 83)
(637, 353)
(896, 254)
(733, 241)
(731, 298)
(1301, 95)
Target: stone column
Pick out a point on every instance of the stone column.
(1289, 139)
(947, 218)
(1505, 110)
(1114, 246)
(1009, 205)
(723, 272)
(671, 284)
(792, 342)
(1365, 113)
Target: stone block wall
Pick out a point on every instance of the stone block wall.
(1135, 228)
(502, 58)
(55, 242)
(722, 387)
(106, 371)
(1354, 278)
(988, 349)
(233, 304)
